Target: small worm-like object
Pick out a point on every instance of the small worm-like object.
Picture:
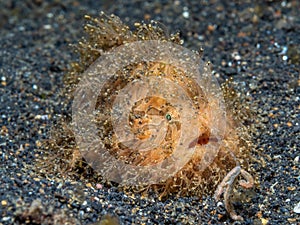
(226, 187)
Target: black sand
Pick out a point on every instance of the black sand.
(258, 44)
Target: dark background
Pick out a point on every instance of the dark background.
(255, 42)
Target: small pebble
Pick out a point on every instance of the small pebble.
(185, 14)
(3, 202)
(297, 208)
